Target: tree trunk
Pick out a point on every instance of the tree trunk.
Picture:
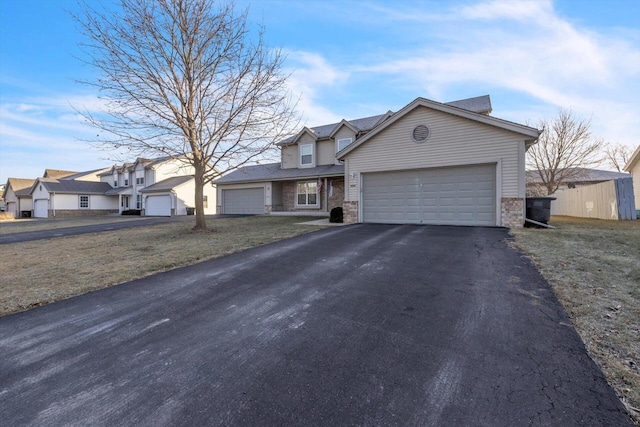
(201, 223)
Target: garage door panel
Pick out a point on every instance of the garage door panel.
(459, 195)
(243, 201)
(158, 205)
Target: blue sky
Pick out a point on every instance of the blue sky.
(351, 59)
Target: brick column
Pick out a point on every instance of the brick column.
(512, 212)
(350, 211)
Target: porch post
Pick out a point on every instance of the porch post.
(326, 196)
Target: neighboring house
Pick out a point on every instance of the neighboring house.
(633, 167)
(67, 197)
(17, 196)
(157, 187)
(429, 163)
(3, 205)
(579, 177)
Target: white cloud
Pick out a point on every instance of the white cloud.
(310, 74)
(526, 48)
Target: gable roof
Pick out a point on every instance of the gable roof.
(82, 174)
(320, 132)
(635, 158)
(527, 131)
(273, 172)
(72, 186)
(479, 104)
(20, 186)
(580, 175)
(57, 173)
(167, 184)
(130, 166)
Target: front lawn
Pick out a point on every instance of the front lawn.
(594, 268)
(39, 272)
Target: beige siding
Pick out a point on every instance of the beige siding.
(169, 169)
(326, 152)
(290, 156)
(453, 141)
(635, 173)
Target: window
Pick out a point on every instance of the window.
(343, 142)
(307, 193)
(139, 201)
(84, 202)
(306, 154)
(205, 202)
(140, 181)
(115, 182)
(126, 182)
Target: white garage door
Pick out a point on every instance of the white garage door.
(158, 206)
(41, 208)
(243, 201)
(453, 196)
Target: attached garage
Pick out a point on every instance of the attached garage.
(243, 201)
(41, 208)
(449, 196)
(158, 205)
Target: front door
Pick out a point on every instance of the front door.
(125, 203)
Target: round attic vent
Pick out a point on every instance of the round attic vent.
(421, 133)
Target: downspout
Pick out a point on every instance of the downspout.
(326, 196)
(53, 206)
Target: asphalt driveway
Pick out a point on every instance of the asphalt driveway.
(6, 236)
(359, 325)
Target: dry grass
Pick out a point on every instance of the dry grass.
(594, 268)
(43, 271)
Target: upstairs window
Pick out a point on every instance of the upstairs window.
(126, 182)
(306, 155)
(343, 142)
(115, 182)
(140, 181)
(205, 201)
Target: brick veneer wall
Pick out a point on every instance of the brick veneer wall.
(338, 192)
(512, 212)
(288, 195)
(350, 211)
(72, 213)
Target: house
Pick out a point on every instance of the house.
(428, 163)
(58, 198)
(577, 177)
(633, 167)
(163, 186)
(17, 197)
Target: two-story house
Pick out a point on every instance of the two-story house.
(156, 187)
(428, 163)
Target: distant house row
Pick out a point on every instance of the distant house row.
(152, 187)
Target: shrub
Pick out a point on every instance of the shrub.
(132, 212)
(336, 214)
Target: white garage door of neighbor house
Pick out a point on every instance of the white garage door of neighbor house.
(158, 206)
(243, 201)
(448, 196)
(40, 208)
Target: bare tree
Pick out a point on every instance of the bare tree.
(186, 79)
(618, 155)
(564, 148)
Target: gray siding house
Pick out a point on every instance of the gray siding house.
(429, 163)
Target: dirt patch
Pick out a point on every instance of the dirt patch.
(39, 272)
(594, 268)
